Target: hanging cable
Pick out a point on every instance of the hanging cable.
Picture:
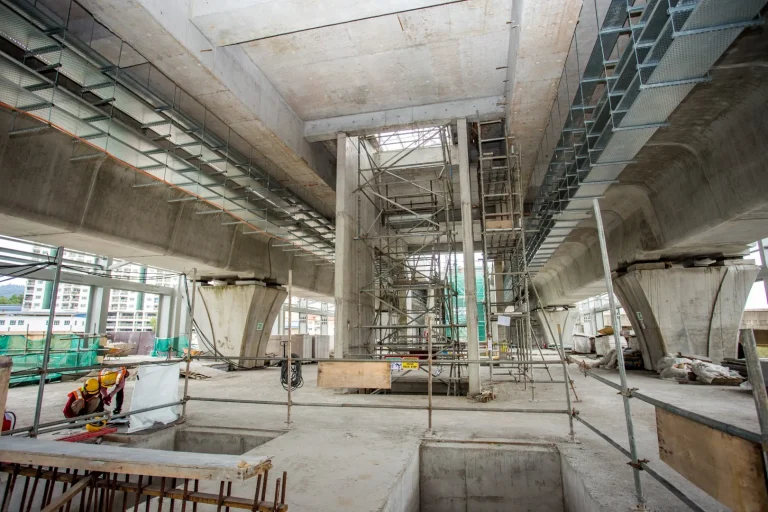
(210, 346)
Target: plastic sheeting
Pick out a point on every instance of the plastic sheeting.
(157, 384)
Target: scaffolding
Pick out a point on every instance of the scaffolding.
(406, 178)
(505, 271)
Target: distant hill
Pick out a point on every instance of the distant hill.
(7, 290)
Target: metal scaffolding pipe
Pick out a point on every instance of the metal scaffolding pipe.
(663, 481)
(377, 406)
(698, 418)
(619, 353)
(48, 338)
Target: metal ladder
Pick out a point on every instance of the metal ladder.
(503, 238)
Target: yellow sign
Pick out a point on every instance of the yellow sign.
(410, 365)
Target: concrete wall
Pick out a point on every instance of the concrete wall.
(566, 319)
(93, 206)
(404, 497)
(576, 495)
(493, 477)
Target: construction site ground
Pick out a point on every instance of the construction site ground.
(354, 458)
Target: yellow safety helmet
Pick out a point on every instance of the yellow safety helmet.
(91, 386)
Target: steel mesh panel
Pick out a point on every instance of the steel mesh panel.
(691, 56)
(656, 104)
(626, 144)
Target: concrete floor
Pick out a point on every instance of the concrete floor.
(353, 458)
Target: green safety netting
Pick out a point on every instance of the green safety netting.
(164, 345)
(480, 289)
(67, 351)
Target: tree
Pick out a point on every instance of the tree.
(153, 323)
(13, 299)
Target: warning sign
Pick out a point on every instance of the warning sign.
(410, 364)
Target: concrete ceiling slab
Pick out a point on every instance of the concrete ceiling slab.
(426, 56)
(546, 30)
(226, 22)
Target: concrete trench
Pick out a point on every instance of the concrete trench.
(438, 476)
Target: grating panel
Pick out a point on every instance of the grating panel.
(711, 13)
(626, 144)
(691, 56)
(656, 104)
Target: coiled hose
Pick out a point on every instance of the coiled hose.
(296, 379)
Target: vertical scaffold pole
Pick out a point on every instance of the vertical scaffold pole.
(619, 355)
(289, 362)
(429, 368)
(189, 342)
(48, 337)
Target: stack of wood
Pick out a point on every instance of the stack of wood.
(633, 360)
(737, 365)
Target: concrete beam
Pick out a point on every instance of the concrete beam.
(226, 22)
(48, 274)
(228, 83)
(488, 108)
(92, 205)
(698, 189)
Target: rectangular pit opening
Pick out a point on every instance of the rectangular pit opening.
(458, 476)
(213, 440)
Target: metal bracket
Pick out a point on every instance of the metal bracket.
(627, 393)
(639, 465)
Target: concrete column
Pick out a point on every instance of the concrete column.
(302, 323)
(281, 321)
(164, 322)
(353, 266)
(470, 292)
(565, 318)
(696, 311)
(98, 307)
(237, 320)
(6, 366)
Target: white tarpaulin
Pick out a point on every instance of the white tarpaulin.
(156, 385)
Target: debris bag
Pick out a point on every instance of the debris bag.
(707, 372)
(669, 361)
(675, 372)
(156, 384)
(607, 361)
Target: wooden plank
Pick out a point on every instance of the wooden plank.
(132, 461)
(498, 224)
(728, 468)
(348, 374)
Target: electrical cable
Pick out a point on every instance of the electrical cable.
(297, 380)
(18, 275)
(210, 346)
